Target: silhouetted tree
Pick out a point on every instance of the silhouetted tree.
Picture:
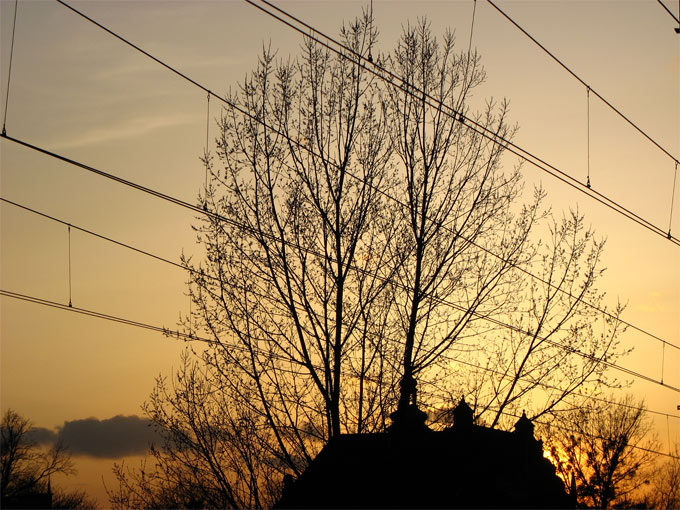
(26, 467)
(72, 500)
(364, 236)
(464, 247)
(605, 448)
(557, 340)
(216, 452)
(294, 283)
(664, 480)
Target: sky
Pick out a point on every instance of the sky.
(79, 92)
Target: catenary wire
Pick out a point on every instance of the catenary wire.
(193, 337)
(100, 315)
(191, 270)
(669, 11)
(601, 197)
(670, 218)
(164, 330)
(219, 217)
(9, 72)
(95, 234)
(186, 336)
(470, 123)
(245, 112)
(70, 301)
(580, 80)
(196, 209)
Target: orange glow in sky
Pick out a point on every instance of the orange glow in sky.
(79, 92)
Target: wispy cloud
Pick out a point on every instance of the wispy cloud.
(133, 69)
(123, 130)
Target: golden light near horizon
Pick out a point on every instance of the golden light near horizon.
(79, 92)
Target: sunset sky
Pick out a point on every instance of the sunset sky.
(79, 92)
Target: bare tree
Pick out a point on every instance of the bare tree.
(465, 250)
(26, 467)
(665, 483)
(215, 454)
(605, 449)
(455, 199)
(293, 284)
(361, 236)
(73, 500)
(558, 341)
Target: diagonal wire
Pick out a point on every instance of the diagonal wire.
(478, 128)
(308, 149)
(470, 123)
(230, 221)
(669, 11)
(194, 271)
(578, 78)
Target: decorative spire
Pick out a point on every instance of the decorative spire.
(463, 415)
(407, 417)
(524, 427)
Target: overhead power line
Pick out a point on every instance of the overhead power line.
(670, 13)
(164, 330)
(379, 71)
(191, 270)
(196, 338)
(181, 335)
(189, 337)
(469, 123)
(159, 329)
(582, 82)
(306, 148)
(9, 72)
(94, 234)
(105, 316)
(214, 215)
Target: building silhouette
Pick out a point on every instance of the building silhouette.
(412, 466)
(35, 499)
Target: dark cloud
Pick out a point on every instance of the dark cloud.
(41, 436)
(113, 438)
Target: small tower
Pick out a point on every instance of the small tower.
(524, 427)
(407, 417)
(462, 415)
